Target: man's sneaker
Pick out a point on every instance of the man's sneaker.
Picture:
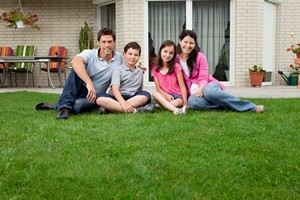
(149, 108)
(180, 111)
(260, 109)
(64, 113)
(103, 110)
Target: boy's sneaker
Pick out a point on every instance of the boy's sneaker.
(103, 110)
(180, 111)
(149, 108)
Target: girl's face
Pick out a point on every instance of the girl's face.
(167, 53)
(187, 44)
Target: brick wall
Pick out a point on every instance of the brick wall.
(67, 16)
(287, 22)
(129, 23)
(63, 16)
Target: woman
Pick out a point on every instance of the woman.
(205, 92)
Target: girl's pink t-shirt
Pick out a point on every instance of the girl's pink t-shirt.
(168, 82)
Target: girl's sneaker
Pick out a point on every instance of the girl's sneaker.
(180, 111)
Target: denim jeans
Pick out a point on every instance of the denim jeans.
(74, 94)
(216, 98)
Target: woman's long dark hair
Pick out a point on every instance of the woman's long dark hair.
(193, 55)
(171, 63)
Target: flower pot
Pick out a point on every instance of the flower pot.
(298, 55)
(256, 78)
(20, 24)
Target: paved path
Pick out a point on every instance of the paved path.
(246, 92)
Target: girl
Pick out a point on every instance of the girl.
(205, 92)
(170, 91)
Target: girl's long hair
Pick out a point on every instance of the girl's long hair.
(193, 55)
(171, 63)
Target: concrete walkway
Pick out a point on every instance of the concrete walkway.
(246, 92)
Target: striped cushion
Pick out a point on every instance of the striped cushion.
(24, 50)
(5, 51)
(57, 51)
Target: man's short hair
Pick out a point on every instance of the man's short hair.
(106, 31)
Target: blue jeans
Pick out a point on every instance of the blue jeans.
(74, 94)
(216, 98)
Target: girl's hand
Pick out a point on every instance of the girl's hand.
(198, 92)
(169, 97)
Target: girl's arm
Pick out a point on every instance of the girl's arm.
(182, 88)
(163, 93)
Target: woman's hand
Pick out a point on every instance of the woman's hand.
(198, 92)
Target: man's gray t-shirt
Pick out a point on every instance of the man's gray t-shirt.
(130, 82)
(98, 69)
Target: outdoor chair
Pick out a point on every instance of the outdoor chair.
(24, 50)
(5, 51)
(56, 67)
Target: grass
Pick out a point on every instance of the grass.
(203, 155)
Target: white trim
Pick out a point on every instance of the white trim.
(189, 17)
(102, 2)
(275, 1)
(232, 46)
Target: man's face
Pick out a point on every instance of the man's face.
(106, 44)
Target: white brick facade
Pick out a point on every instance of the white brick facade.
(60, 22)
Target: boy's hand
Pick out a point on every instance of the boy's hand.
(127, 107)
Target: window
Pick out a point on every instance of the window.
(107, 16)
(210, 19)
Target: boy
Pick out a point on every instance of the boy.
(126, 94)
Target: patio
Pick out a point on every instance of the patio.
(244, 92)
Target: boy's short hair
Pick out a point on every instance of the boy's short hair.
(106, 31)
(133, 45)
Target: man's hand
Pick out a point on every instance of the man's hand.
(91, 96)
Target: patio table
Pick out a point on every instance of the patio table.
(34, 59)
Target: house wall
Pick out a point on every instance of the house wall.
(287, 22)
(60, 22)
(129, 23)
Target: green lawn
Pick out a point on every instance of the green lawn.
(203, 155)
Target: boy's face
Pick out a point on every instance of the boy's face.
(131, 57)
(106, 44)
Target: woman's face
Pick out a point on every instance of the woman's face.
(187, 44)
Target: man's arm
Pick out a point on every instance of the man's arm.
(79, 68)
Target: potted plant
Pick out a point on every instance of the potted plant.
(16, 18)
(84, 40)
(295, 47)
(256, 75)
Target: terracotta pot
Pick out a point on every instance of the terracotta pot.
(298, 55)
(256, 78)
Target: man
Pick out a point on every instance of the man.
(91, 75)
